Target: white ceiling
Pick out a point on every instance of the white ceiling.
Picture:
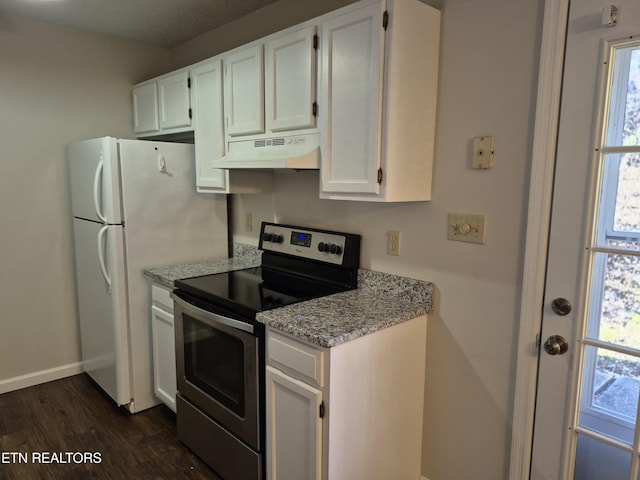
(165, 23)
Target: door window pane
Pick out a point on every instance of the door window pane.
(617, 290)
(598, 461)
(624, 115)
(610, 397)
(627, 209)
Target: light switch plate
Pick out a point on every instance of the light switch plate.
(482, 152)
(467, 227)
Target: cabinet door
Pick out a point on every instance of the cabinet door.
(244, 91)
(173, 99)
(164, 356)
(145, 108)
(290, 81)
(208, 123)
(351, 100)
(294, 428)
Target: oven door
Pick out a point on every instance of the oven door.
(217, 360)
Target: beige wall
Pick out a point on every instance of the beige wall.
(56, 85)
(488, 73)
(272, 18)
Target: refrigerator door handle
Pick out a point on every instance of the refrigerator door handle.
(103, 267)
(97, 179)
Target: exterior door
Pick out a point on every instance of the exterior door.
(589, 361)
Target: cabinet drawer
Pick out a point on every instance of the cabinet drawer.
(161, 297)
(297, 359)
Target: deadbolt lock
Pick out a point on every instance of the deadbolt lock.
(556, 345)
(561, 306)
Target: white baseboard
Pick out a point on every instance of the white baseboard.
(36, 378)
(422, 477)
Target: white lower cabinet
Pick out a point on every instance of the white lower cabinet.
(294, 428)
(164, 349)
(349, 412)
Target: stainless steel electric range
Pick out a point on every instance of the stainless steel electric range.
(220, 345)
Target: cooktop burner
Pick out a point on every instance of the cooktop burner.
(297, 264)
(253, 290)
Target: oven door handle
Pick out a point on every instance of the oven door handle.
(214, 317)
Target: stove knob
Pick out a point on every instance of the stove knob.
(266, 237)
(277, 238)
(336, 249)
(323, 247)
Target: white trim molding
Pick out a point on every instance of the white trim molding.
(43, 376)
(538, 222)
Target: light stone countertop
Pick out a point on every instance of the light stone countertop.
(244, 256)
(380, 301)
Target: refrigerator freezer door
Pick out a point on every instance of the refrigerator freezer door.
(102, 307)
(166, 220)
(93, 173)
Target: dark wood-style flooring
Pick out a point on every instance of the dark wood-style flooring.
(73, 415)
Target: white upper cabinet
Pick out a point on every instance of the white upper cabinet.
(379, 73)
(188, 105)
(209, 137)
(244, 91)
(173, 99)
(145, 108)
(270, 87)
(208, 122)
(352, 92)
(270, 102)
(352, 69)
(161, 105)
(290, 81)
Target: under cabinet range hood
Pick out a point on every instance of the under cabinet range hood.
(299, 152)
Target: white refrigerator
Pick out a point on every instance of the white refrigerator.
(134, 206)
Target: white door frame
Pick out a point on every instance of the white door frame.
(538, 222)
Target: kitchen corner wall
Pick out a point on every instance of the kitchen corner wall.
(488, 80)
(57, 85)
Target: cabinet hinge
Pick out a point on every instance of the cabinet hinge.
(321, 410)
(385, 19)
(190, 113)
(188, 82)
(380, 175)
(315, 41)
(314, 109)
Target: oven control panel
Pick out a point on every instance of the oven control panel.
(321, 245)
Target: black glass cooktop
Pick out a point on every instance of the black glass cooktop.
(246, 292)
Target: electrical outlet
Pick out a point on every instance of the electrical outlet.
(248, 222)
(393, 243)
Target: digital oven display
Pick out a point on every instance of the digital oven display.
(301, 239)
